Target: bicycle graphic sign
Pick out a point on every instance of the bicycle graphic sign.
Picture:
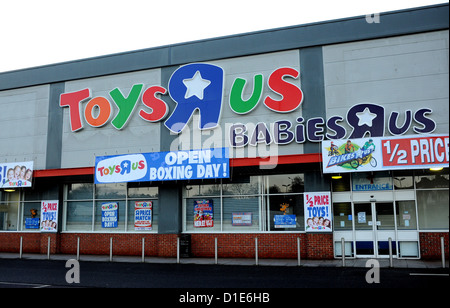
(385, 153)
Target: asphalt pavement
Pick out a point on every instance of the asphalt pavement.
(228, 275)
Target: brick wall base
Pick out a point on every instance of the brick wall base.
(430, 245)
(232, 245)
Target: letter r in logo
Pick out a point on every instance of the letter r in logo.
(196, 86)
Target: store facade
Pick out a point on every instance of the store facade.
(309, 134)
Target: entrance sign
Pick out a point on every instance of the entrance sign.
(163, 166)
(318, 216)
(14, 175)
(385, 153)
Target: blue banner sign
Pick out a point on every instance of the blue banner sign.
(284, 221)
(163, 166)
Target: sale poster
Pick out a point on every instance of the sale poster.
(385, 153)
(203, 214)
(318, 216)
(143, 215)
(49, 216)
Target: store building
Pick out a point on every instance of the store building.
(315, 132)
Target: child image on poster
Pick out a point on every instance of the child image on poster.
(203, 214)
(49, 215)
(12, 175)
(318, 212)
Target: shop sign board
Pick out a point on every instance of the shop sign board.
(14, 175)
(369, 182)
(200, 87)
(143, 215)
(318, 216)
(385, 153)
(163, 166)
(110, 214)
(49, 215)
(203, 213)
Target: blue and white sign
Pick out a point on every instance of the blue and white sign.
(110, 214)
(285, 221)
(32, 223)
(163, 166)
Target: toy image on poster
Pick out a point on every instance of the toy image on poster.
(49, 216)
(203, 214)
(109, 214)
(318, 216)
(143, 215)
(352, 155)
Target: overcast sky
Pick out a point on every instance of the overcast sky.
(40, 32)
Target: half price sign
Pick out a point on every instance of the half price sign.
(425, 151)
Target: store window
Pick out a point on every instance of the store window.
(432, 199)
(342, 216)
(120, 207)
(78, 207)
(403, 180)
(246, 204)
(340, 182)
(9, 210)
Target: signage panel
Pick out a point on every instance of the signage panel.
(14, 175)
(163, 166)
(385, 153)
(318, 216)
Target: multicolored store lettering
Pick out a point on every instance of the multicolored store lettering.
(200, 86)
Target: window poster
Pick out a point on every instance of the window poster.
(285, 221)
(33, 221)
(49, 216)
(203, 213)
(241, 219)
(143, 215)
(110, 214)
(318, 216)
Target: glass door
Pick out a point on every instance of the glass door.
(385, 228)
(364, 230)
(374, 225)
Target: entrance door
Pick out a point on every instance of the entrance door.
(374, 224)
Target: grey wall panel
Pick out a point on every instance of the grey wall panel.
(55, 122)
(24, 125)
(400, 73)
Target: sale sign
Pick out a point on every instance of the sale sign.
(49, 216)
(318, 216)
(385, 153)
(143, 215)
(426, 151)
